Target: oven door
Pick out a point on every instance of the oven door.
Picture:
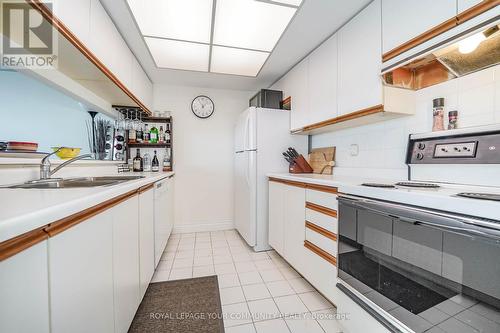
(424, 268)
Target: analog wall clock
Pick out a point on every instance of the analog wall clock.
(202, 106)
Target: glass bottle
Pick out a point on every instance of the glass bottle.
(137, 162)
(161, 137)
(155, 165)
(153, 134)
(145, 134)
(167, 165)
(168, 134)
(146, 160)
(139, 133)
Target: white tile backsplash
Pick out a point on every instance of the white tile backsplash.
(382, 146)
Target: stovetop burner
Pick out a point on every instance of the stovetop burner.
(417, 185)
(483, 196)
(378, 185)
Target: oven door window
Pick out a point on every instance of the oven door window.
(423, 276)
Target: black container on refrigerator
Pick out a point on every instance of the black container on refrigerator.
(265, 98)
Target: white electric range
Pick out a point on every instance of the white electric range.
(423, 255)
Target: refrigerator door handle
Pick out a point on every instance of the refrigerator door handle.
(245, 135)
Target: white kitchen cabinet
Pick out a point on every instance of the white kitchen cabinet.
(24, 291)
(276, 216)
(322, 81)
(163, 215)
(81, 277)
(126, 285)
(75, 14)
(146, 239)
(360, 49)
(108, 45)
(403, 20)
(463, 5)
(294, 226)
(297, 86)
(141, 85)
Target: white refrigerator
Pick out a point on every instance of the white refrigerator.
(261, 135)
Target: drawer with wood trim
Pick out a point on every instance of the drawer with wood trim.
(327, 222)
(321, 198)
(325, 243)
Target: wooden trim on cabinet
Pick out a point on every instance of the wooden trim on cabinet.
(64, 30)
(322, 188)
(57, 227)
(146, 188)
(321, 230)
(349, 116)
(451, 23)
(320, 252)
(20, 243)
(321, 209)
(287, 182)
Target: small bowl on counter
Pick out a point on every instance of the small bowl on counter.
(66, 153)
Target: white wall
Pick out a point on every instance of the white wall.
(203, 155)
(34, 112)
(382, 146)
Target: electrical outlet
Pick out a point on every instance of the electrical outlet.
(354, 149)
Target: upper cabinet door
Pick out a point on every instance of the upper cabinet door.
(463, 5)
(75, 14)
(403, 20)
(323, 82)
(360, 85)
(297, 86)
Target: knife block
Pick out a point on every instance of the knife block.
(300, 165)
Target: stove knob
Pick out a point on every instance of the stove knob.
(420, 156)
(421, 146)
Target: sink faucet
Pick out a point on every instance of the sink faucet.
(45, 166)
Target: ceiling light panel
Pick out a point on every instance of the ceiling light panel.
(228, 60)
(188, 20)
(179, 55)
(250, 24)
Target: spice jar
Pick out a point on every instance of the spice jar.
(452, 120)
(438, 114)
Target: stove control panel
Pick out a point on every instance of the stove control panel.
(465, 149)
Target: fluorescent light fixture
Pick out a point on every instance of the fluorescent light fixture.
(188, 20)
(180, 34)
(227, 60)
(179, 55)
(250, 24)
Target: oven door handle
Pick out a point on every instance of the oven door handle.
(436, 219)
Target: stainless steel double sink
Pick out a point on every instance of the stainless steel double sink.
(76, 182)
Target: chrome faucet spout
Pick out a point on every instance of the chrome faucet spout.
(59, 167)
(45, 166)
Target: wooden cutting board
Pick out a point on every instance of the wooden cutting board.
(322, 160)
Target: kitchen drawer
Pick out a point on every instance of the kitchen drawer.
(327, 222)
(325, 199)
(326, 244)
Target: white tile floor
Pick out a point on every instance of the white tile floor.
(259, 292)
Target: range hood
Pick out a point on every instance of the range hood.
(464, 54)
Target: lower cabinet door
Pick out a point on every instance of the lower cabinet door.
(81, 277)
(146, 239)
(321, 274)
(24, 291)
(276, 216)
(294, 226)
(126, 262)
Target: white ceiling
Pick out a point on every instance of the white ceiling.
(313, 23)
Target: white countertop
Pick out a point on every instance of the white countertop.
(27, 209)
(444, 198)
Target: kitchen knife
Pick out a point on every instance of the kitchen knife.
(293, 152)
(287, 158)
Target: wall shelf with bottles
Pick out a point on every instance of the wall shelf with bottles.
(149, 134)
